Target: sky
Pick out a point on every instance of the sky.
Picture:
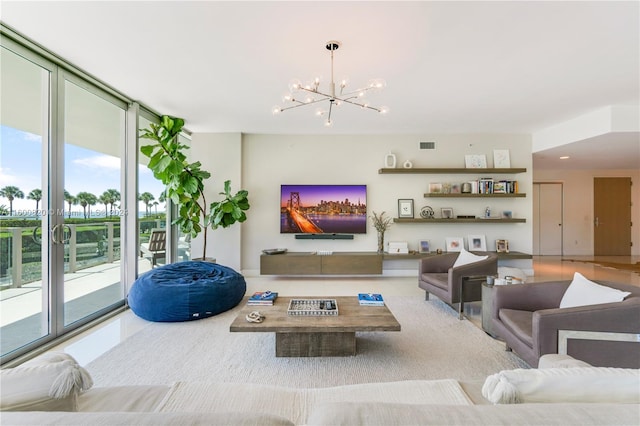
(21, 160)
(311, 195)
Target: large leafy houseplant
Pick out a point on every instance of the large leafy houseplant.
(184, 183)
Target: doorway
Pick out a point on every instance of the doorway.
(547, 219)
(612, 216)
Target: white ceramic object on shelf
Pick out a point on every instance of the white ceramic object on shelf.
(407, 164)
(390, 160)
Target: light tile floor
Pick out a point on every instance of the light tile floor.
(91, 344)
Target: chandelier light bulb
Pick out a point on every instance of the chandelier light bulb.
(384, 110)
(319, 112)
(294, 85)
(276, 110)
(377, 83)
(343, 83)
(328, 123)
(287, 98)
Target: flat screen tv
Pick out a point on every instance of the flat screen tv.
(323, 209)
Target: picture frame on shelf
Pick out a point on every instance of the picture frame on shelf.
(455, 188)
(405, 208)
(477, 243)
(454, 244)
(502, 246)
(475, 161)
(424, 246)
(446, 213)
(499, 188)
(435, 188)
(501, 159)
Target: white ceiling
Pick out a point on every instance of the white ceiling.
(450, 67)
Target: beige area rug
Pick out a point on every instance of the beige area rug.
(433, 344)
(634, 267)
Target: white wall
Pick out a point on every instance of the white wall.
(221, 155)
(271, 160)
(578, 206)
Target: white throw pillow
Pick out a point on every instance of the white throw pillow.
(580, 384)
(43, 386)
(464, 258)
(582, 292)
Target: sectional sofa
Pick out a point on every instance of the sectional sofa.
(563, 391)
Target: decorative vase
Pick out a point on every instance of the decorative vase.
(380, 242)
(390, 160)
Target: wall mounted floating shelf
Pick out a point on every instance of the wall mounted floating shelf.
(444, 170)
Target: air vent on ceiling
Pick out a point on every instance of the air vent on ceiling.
(427, 145)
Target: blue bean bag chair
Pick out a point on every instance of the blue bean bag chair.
(186, 291)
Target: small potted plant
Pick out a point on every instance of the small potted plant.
(184, 183)
(381, 223)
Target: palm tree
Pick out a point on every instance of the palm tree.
(70, 199)
(86, 199)
(104, 199)
(36, 195)
(146, 198)
(155, 204)
(114, 195)
(11, 193)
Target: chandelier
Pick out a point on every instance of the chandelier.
(311, 93)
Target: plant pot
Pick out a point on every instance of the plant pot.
(206, 259)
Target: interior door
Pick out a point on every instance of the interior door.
(547, 219)
(612, 216)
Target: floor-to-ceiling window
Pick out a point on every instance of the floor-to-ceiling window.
(62, 198)
(94, 132)
(24, 213)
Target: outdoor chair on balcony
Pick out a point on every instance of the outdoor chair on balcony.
(156, 247)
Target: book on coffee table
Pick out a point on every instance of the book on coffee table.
(262, 298)
(370, 299)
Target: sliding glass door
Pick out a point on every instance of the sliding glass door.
(61, 193)
(94, 133)
(24, 247)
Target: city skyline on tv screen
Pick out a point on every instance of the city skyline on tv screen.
(318, 209)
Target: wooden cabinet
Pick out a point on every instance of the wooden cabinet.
(310, 263)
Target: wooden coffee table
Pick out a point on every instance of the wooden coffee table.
(298, 336)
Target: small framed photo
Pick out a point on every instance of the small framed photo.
(405, 207)
(499, 188)
(507, 214)
(475, 161)
(446, 213)
(501, 159)
(454, 244)
(455, 188)
(424, 246)
(502, 246)
(477, 242)
(435, 188)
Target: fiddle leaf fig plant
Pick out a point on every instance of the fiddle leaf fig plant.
(184, 182)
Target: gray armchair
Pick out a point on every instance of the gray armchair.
(527, 317)
(436, 275)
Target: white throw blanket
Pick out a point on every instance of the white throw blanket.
(296, 404)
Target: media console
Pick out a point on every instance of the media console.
(310, 263)
(342, 263)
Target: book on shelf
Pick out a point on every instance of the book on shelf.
(370, 299)
(262, 298)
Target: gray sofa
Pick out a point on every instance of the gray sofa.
(527, 317)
